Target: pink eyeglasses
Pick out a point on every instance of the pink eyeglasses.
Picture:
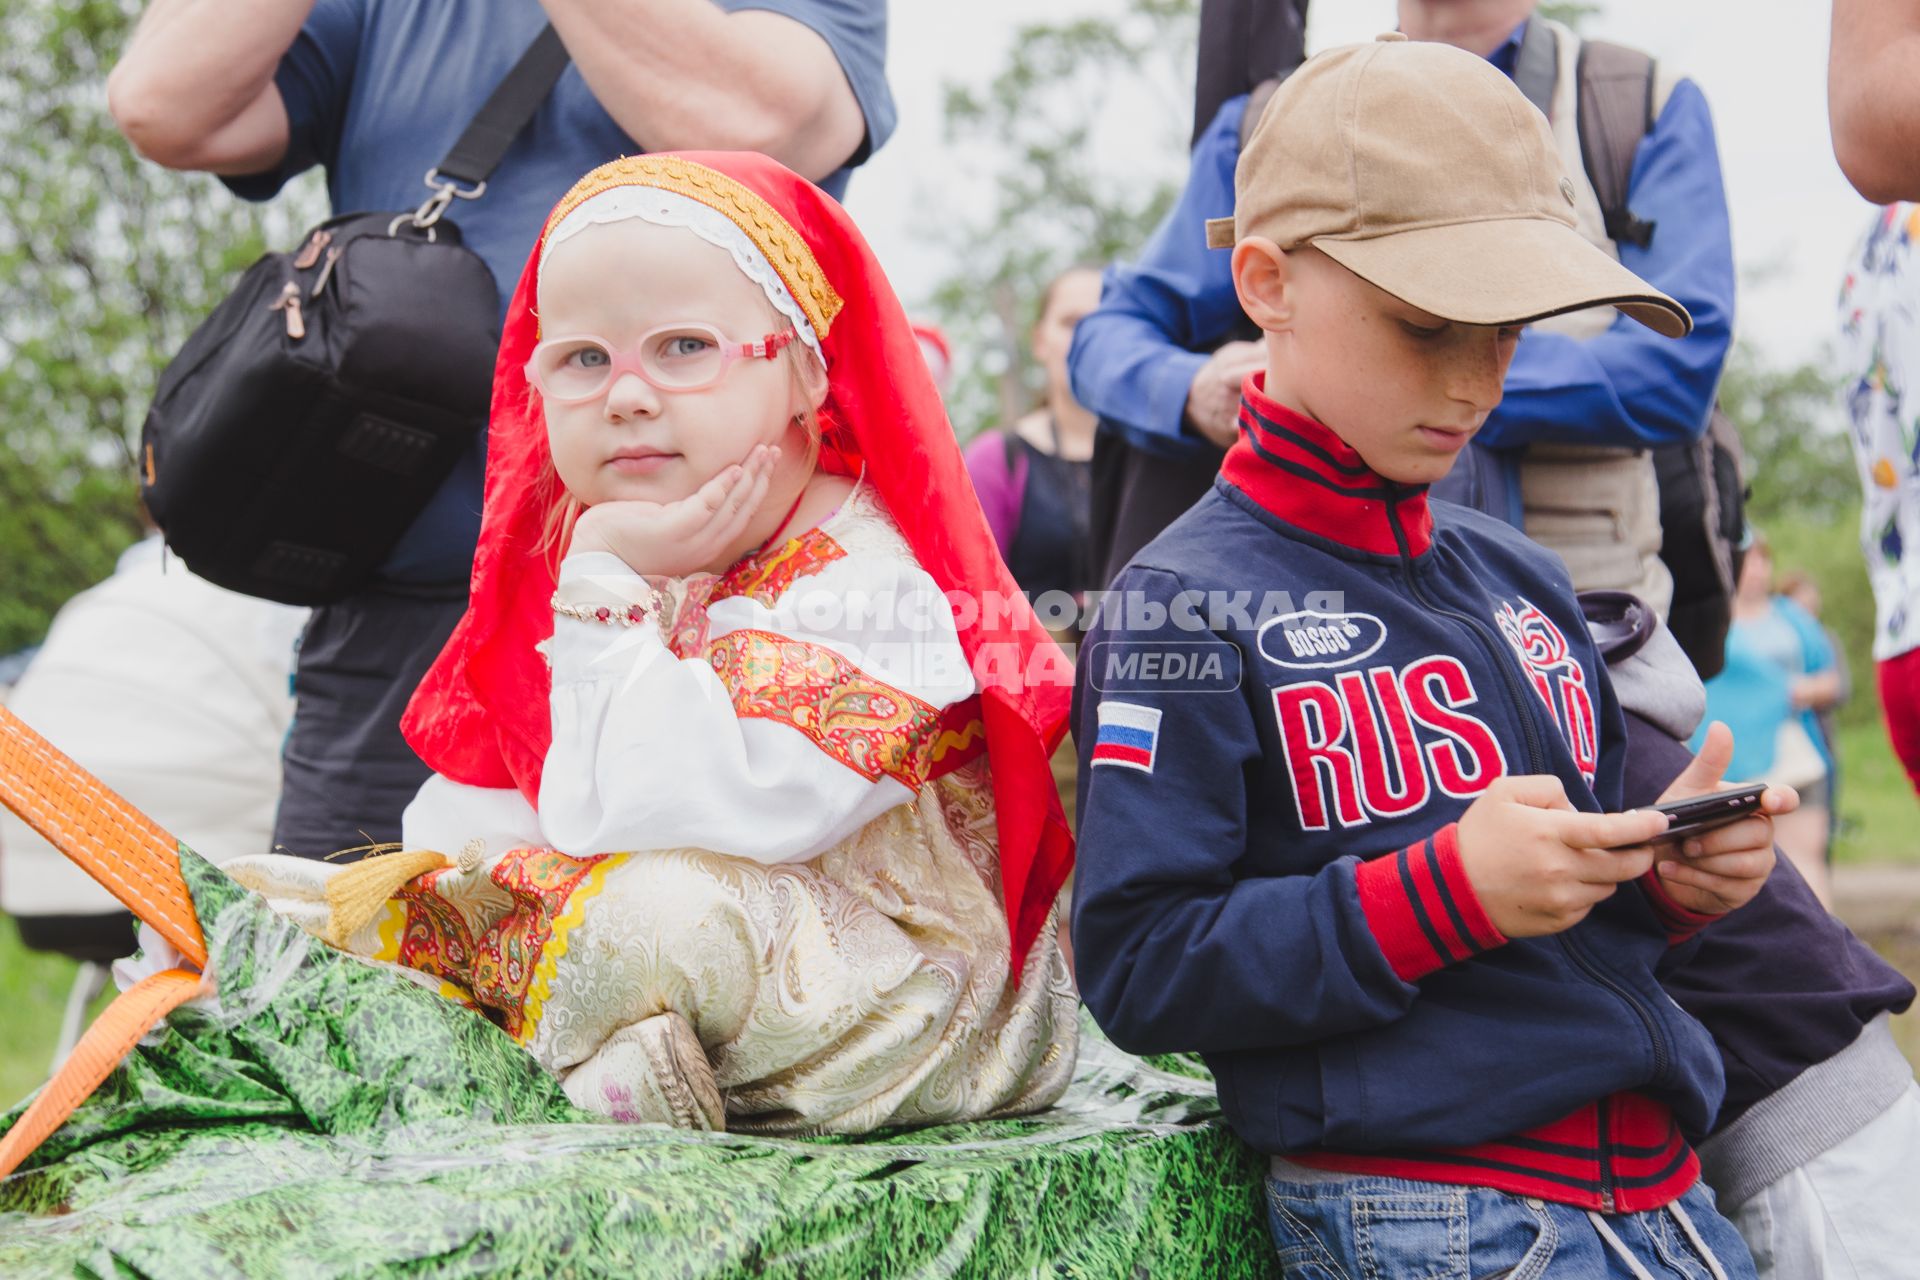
(675, 357)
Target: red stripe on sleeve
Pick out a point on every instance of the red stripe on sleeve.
(1481, 933)
(1680, 922)
(1390, 915)
(1419, 924)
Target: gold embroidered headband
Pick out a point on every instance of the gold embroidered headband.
(771, 235)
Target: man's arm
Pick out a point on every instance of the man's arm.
(1873, 96)
(685, 74)
(1134, 360)
(194, 89)
(1629, 387)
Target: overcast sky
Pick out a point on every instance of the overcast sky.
(1762, 64)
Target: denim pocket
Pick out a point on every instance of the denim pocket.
(1302, 1235)
(1387, 1229)
(1413, 1235)
(1545, 1243)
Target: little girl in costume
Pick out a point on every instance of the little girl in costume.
(740, 840)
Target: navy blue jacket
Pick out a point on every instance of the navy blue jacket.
(1267, 869)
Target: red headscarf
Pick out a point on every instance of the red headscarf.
(481, 714)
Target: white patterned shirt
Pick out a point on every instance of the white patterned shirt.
(1880, 355)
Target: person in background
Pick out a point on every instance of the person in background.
(1810, 1155)
(1032, 475)
(174, 692)
(1880, 350)
(1780, 675)
(1034, 479)
(1801, 589)
(1873, 96)
(1565, 455)
(1163, 358)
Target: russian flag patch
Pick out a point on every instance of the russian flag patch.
(1129, 735)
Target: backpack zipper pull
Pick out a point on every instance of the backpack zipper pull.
(310, 252)
(326, 272)
(289, 302)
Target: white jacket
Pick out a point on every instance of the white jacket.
(175, 693)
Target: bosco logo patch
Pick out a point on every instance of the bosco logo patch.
(1308, 640)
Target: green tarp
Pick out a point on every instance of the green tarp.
(327, 1117)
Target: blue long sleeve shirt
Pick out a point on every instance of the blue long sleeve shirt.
(1134, 358)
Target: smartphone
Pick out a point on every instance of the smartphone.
(1695, 814)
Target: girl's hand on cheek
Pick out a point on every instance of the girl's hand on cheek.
(674, 539)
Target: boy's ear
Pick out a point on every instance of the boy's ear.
(1261, 276)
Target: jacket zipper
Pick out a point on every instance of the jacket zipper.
(1537, 763)
(1606, 1155)
(1496, 648)
(1654, 1038)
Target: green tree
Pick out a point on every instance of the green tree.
(1575, 15)
(106, 264)
(1798, 460)
(1071, 153)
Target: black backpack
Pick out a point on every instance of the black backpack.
(312, 416)
(308, 420)
(1703, 491)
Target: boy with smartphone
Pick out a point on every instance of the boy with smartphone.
(1373, 870)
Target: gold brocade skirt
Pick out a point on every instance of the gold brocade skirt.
(867, 987)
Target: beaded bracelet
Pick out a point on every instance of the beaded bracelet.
(632, 615)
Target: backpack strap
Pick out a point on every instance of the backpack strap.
(1256, 105)
(1616, 110)
(1241, 42)
(1536, 67)
(505, 114)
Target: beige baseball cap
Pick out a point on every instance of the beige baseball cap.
(1424, 171)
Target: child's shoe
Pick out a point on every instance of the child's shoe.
(651, 1072)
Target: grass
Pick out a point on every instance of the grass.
(33, 990)
(1902, 951)
(1879, 813)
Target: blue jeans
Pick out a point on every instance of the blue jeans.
(1368, 1228)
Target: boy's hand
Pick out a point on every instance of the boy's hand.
(1718, 870)
(674, 539)
(1538, 865)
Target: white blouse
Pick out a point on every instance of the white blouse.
(789, 726)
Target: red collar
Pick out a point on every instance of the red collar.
(1302, 473)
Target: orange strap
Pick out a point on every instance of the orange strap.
(107, 1041)
(139, 863)
(122, 848)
